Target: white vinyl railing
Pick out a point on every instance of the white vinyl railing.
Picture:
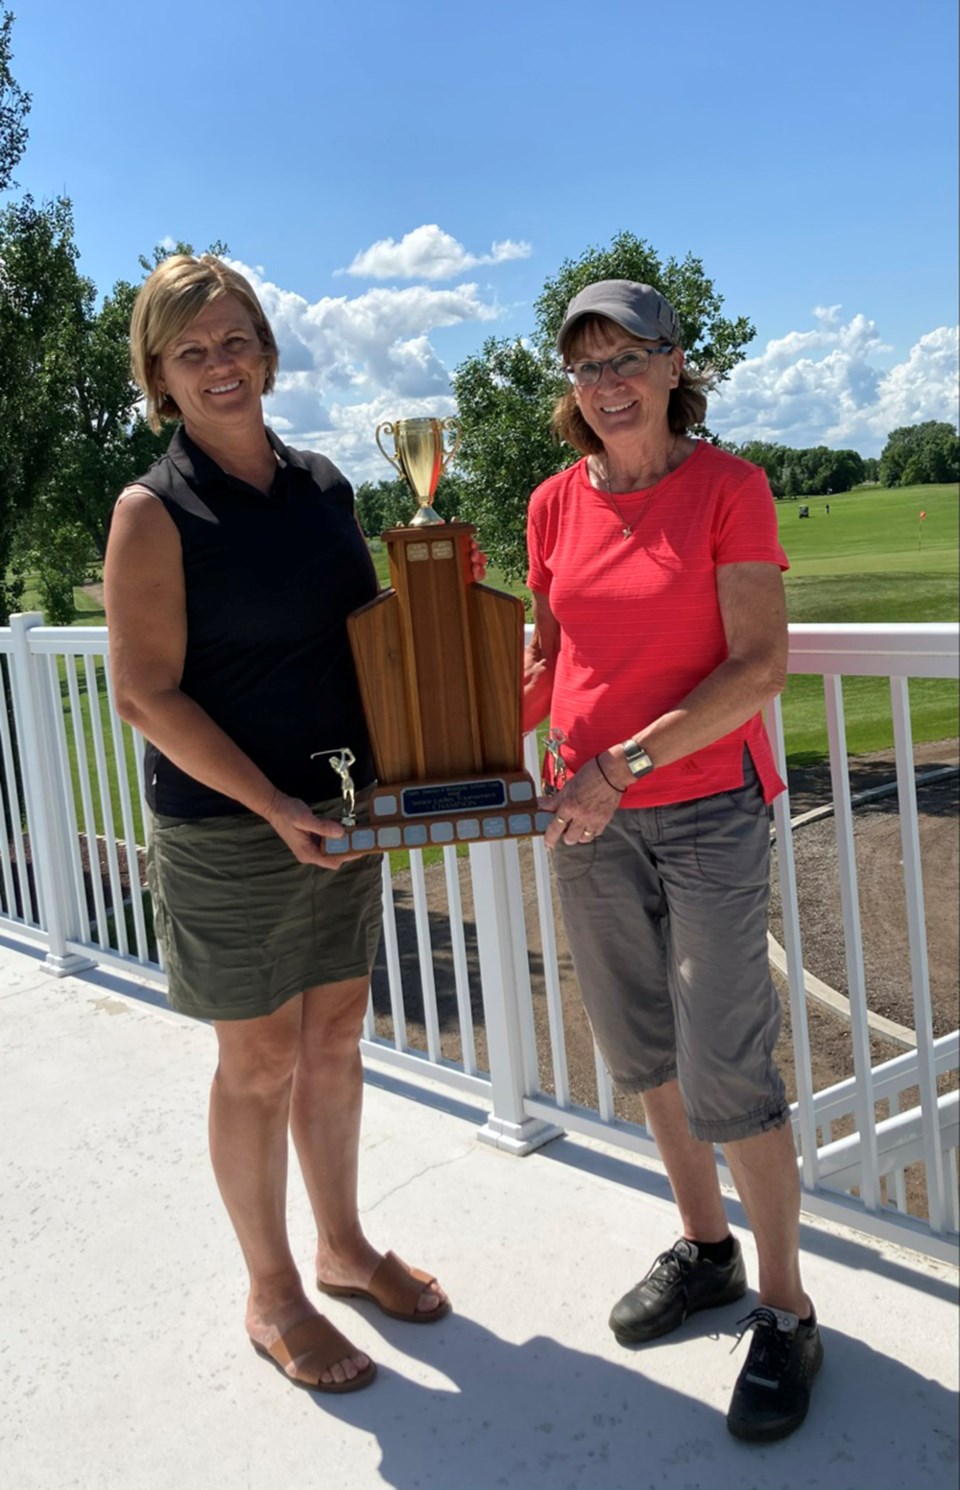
(500, 1026)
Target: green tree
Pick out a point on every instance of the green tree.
(918, 453)
(506, 392)
(504, 397)
(390, 504)
(778, 462)
(14, 107)
(106, 443)
(709, 338)
(109, 442)
(826, 470)
(41, 306)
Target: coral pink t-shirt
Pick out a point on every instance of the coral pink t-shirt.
(640, 622)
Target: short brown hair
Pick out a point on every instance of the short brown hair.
(687, 406)
(175, 293)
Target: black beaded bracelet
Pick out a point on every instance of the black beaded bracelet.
(620, 789)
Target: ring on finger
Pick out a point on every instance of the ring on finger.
(560, 819)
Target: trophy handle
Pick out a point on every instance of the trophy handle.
(391, 430)
(448, 426)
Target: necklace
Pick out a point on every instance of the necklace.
(604, 474)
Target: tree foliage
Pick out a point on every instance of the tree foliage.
(104, 444)
(804, 473)
(710, 339)
(917, 453)
(14, 107)
(390, 504)
(506, 392)
(41, 308)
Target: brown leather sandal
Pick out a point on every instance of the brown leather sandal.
(396, 1289)
(309, 1349)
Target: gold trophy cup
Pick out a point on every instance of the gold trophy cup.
(422, 455)
(439, 662)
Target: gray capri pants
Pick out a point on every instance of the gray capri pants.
(666, 915)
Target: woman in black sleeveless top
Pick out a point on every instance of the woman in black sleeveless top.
(231, 568)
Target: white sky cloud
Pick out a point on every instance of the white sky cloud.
(350, 440)
(428, 253)
(825, 387)
(347, 363)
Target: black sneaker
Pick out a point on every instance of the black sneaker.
(772, 1393)
(679, 1283)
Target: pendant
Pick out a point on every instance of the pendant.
(628, 532)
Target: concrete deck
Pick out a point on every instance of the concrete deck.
(123, 1361)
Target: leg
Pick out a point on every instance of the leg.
(616, 918)
(772, 1393)
(716, 869)
(615, 914)
(325, 1122)
(690, 1165)
(764, 1169)
(249, 1111)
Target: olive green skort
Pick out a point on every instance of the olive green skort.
(244, 926)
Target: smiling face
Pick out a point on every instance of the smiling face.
(215, 369)
(617, 408)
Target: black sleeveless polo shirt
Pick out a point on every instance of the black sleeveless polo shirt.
(270, 581)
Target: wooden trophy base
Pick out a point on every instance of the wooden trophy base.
(439, 662)
(423, 814)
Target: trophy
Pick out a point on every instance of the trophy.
(439, 662)
(421, 458)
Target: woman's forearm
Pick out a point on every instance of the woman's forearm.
(538, 676)
(724, 700)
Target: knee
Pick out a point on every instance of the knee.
(261, 1065)
(333, 1025)
(332, 1041)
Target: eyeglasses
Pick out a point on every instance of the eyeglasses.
(630, 364)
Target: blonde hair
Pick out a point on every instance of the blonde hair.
(687, 406)
(174, 295)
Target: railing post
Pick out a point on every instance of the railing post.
(919, 964)
(508, 1127)
(47, 823)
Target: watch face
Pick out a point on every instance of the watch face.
(637, 758)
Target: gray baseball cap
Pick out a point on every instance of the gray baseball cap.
(639, 309)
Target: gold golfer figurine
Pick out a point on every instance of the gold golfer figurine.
(341, 761)
(554, 740)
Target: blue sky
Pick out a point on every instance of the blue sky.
(455, 156)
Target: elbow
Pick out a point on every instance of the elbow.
(774, 679)
(135, 705)
(128, 707)
(765, 675)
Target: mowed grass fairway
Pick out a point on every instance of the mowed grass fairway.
(871, 559)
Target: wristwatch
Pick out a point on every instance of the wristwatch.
(637, 759)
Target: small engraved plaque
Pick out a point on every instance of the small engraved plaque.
(452, 797)
(417, 553)
(442, 549)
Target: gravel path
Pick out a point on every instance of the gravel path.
(883, 924)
